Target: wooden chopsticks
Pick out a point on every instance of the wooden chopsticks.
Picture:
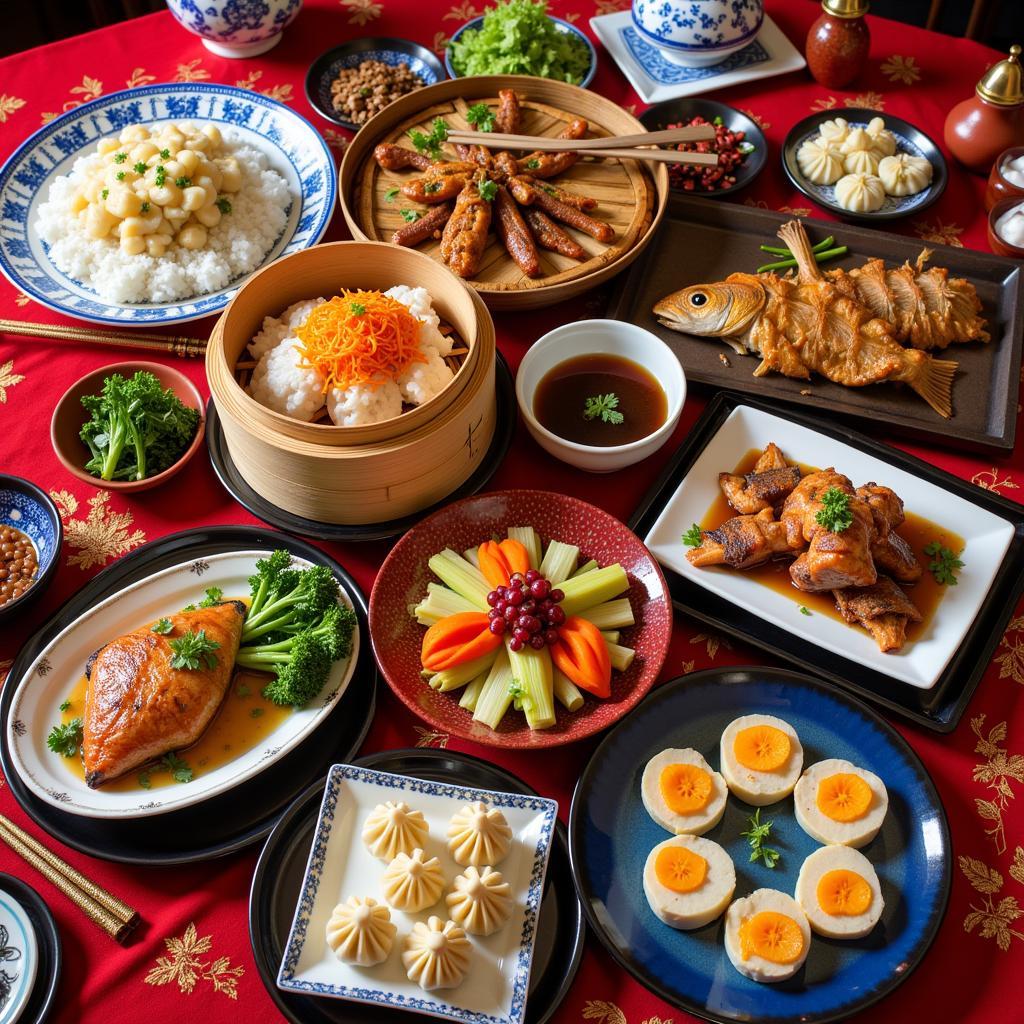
(171, 345)
(104, 909)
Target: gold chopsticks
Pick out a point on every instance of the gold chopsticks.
(175, 346)
(104, 909)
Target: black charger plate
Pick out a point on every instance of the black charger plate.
(44, 988)
(251, 501)
(282, 865)
(244, 814)
(661, 115)
(940, 707)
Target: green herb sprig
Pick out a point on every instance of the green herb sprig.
(758, 832)
(192, 649)
(605, 407)
(177, 766)
(410, 216)
(224, 205)
(162, 627)
(488, 189)
(430, 144)
(390, 195)
(835, 513)
(944, 563)
(66, 739)
(693, 537)
(481, 117)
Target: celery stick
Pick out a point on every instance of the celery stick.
(439, 603)
(471, 556)
(471, 694)
(621, 657)
(586, 567)
(559, 562)
(494, 698)
(532, 670)
(462, 576)
(615, 614)
(583, 592)
(459, 675)
(527, 536)
(566, 691)
(611, 636)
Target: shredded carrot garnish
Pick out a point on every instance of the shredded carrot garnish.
(360, 338)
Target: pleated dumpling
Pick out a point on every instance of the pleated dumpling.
(361, 932)
(856, 138)
(820, 161)
(905, 175)
(480, 901)
(436, 954)
(860, 193)
(413, 882)
(478, 835)
(392, 828)
(883, 142)
(861, 161)
(835, 129)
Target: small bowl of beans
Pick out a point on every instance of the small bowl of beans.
(355, 81)
(740, 144)
(30, 539)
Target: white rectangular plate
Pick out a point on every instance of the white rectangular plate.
(657, 79)
(921, 662)
(494, 990)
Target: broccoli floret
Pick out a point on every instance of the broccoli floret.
(302, 676)
(299, 599)
(266, 579)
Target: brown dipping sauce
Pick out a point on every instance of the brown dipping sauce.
(18, 563)
(917, 531)
(561, 398)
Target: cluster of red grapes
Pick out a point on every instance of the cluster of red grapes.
(527, 608)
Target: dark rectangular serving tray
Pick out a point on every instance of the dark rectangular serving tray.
(705, 240)
(940, 707)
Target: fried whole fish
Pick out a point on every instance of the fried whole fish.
(811, 323)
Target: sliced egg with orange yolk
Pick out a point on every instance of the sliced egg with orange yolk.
(761, 758)
(840, 804)
(839, 892)
(767, 936)
(688, 881)
(682, 792)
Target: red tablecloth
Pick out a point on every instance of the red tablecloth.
(191, 959)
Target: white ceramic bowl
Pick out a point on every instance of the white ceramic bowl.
(613, 337)
(697, 33)
(229, 28)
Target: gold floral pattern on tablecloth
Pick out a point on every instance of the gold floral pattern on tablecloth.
(440, 43)
(870, 100)
(901, 69)
(712, 642)
(335, 139)
(756, 118)
(8, 105)
(139, 77)
(610, 6)
(362, 11)
(185, 966)
(793, 211)
(89, 89)
(939, 232)
(465, 11)
(21, 299)
(430, 738)
(998, 771)
(603, 1012)
(826, 103)
(250, 80)
(8, 378)
(191, 71)
(993, 919)
(282, 93)
(1010, 654)
(103, 534)
(989, 480)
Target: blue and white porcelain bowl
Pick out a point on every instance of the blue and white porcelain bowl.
(236, 28)
(695, 33)
(28, 508)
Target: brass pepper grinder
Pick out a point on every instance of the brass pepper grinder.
(838, 43)
(980, 128)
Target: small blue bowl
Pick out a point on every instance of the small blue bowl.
(562, 26)
(29, 509)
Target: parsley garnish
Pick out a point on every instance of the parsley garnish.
(139, 168)
(389, 196)
(693, 536)
(120, 175)
(533, 164)
(835, 513)
(944, 563)
(105, 193)
(165, 154)
(603, 406)
(65, 705)
(488, 189)
(162, 626)
(520, 699)
(431, 144)
(241, 690)
(193, 648)
(224, 205)
(143, 780)
(66, 739)
(178, 767)
(358, 309)
(803, 610)
(161, 175)
(431, 187)
(119, 158)
(410, 215)
(214, 595)
(145, 208)
(182, 182)
(758, 833)
(255, 712)
(365, 91)
(481, 117)
(718, 120)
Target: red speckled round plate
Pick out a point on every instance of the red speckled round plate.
(403, 578)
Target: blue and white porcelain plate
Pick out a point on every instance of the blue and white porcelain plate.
(611, 834)
(656, 78)
(18, 958)
(290, 143)
(495, 987)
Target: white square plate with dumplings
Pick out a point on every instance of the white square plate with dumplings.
(340, 866)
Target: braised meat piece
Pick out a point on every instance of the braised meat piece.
(882, 609)
(742, 542)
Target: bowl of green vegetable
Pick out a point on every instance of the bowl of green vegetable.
(128, 426)
(519, 37)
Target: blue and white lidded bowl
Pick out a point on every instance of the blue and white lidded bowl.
(236, 28)
(698, 32)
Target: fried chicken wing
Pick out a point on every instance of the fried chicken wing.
(758, 490)
(465, 235)
(742, 542)
(882, 609)
(397, 158)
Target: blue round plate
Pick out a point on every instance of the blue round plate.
(562, 26)
(28, 508)
(611, 834)
(291, 144)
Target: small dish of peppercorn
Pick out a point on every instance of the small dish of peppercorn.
(30, 539)
(741, 146)
(351, 83)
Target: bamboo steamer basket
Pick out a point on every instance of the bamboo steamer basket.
(631, 196)
(356, 475)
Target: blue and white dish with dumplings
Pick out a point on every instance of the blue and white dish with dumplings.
(290, 144)
(28, 508)
(698, 32)
(611, 835)
(19, 958)
(236, 28)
